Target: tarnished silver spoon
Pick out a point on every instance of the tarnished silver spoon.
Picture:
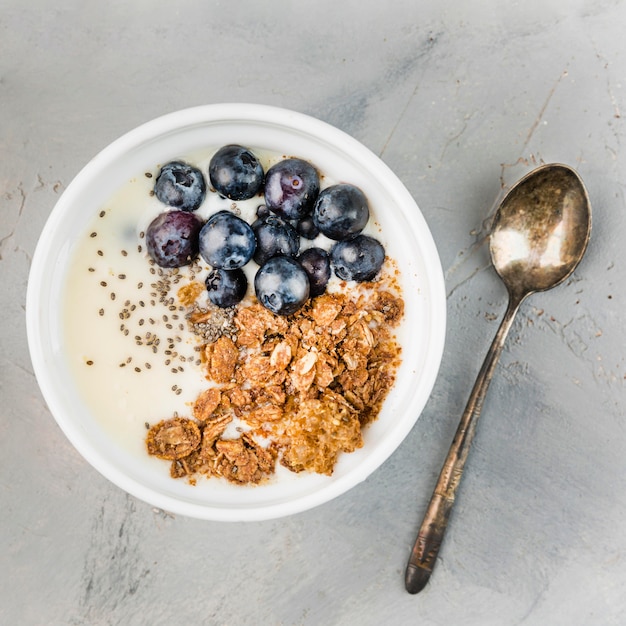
(540, 233)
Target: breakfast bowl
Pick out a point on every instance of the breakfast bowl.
(84, 312)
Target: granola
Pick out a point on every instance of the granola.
(299, 388)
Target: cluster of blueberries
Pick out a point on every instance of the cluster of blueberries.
(294, 207)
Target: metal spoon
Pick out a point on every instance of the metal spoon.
(539, 235)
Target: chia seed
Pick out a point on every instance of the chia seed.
(214, 323)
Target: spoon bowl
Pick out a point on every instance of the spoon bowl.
(539, 235)
(541, 229)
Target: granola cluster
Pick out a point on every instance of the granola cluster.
(296, 390)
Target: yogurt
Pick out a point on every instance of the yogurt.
(129, 346)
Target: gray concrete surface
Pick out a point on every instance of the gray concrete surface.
(460, 99)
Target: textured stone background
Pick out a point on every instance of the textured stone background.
(460, 99)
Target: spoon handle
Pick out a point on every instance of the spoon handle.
(431, 532)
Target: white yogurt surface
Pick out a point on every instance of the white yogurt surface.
(133, 357)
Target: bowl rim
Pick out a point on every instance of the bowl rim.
(231, 113)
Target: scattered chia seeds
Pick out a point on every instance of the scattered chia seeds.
(178, 328)
(212, 322)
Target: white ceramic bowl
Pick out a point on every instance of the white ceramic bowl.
(275, 129)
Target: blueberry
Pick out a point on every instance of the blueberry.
(262, 211)
(274, 236)
(341, 211)
(357, 259)
(316, 264)
(226, 287)
(282, 285)
(307, 228)
(235, 172)
(227, 241)
(291, 188)
(172, 238)
(181, 186)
